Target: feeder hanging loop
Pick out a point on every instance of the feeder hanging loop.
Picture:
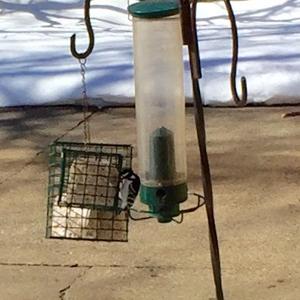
(235, 48)
(90, 31)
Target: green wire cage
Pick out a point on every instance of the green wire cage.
(83, 191)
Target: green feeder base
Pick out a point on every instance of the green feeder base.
(163, 202)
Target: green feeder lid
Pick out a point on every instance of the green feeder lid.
(154, 8)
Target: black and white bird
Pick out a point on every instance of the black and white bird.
(129, 188)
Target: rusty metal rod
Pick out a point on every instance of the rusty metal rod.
(201, 135)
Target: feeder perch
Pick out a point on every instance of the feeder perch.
(83, 194)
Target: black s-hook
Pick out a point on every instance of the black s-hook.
(89, 28)
(235, 48)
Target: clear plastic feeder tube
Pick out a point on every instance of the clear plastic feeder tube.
(160, 102)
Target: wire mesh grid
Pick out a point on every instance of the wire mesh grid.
(83, 191)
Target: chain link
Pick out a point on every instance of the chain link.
(85, 102)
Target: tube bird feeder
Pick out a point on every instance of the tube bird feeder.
(160, 106)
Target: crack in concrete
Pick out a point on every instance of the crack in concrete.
(63, 292)
(45, 265)
(27, 164)
(116, 266)
(30, 162)
(83, 266)
(77, 125)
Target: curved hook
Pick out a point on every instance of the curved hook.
(235, 48)
(89, 28)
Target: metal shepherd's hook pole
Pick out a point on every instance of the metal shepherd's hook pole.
(90, 31)
(235, 48)
(190, 39)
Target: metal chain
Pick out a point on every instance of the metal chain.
(85, 102)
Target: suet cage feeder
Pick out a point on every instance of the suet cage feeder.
(83, 190)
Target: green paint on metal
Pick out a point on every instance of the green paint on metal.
(149, 9)
(164, 201)
(162, 155)
(163, 195)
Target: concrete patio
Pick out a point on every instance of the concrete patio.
(255, 163)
